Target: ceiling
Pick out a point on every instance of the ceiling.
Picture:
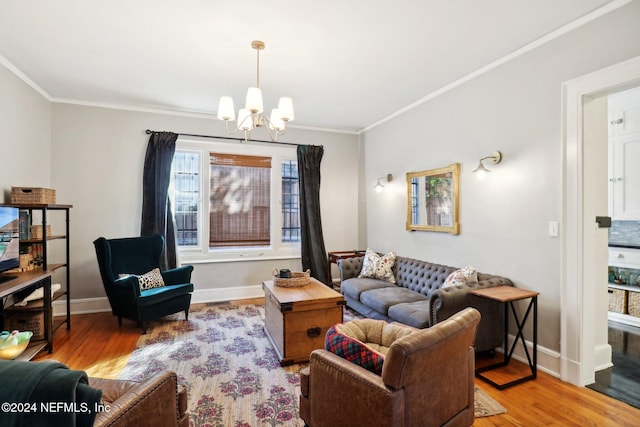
(346, 64)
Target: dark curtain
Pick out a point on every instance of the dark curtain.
(157, 216)
(314, 256)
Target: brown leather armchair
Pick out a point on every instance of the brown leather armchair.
(155, 402)
(427, 380)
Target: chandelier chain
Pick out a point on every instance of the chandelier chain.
(258, 68)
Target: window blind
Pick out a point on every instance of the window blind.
(240, 205)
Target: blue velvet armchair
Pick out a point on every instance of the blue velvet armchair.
(134, 256)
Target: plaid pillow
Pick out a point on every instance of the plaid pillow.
(353, 350)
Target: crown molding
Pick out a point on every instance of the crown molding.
(22, 76)
(585, 19)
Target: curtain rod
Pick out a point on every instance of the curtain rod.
(149, 132)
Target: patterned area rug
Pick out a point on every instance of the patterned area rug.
(231, 372)
(485, 405)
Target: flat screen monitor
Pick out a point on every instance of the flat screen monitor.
(9, 238)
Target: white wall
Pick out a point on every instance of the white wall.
(97, 160)
(25, 120)
(514, 108)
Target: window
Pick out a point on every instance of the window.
(290, 202)
(185, 189)
(235, 201)
(240, 201)
(414, 201)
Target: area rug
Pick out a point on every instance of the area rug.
(231, 372)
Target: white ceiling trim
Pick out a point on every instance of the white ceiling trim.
(113, 106)
(182, 113)
(22, 76)
(140, 109)
(616, 4)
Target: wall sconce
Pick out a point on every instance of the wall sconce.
(379, 185)
(481, 171)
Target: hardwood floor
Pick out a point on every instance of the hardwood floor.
(94, 344)
(550, 402)
(98, 346)
(622, 380)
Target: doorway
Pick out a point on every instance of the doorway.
(583, 346)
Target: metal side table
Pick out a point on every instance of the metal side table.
(507, 295)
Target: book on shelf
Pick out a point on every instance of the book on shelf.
(31, 258)
(24, 225)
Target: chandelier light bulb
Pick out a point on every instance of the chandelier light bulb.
(245, 121)
(285, 106)
(226, 111)
(275, 121)
(254, 100)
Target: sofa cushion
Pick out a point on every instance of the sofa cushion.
(354, 287)
(416, 314)
(153, 296)
(376, 266)
(383, 298)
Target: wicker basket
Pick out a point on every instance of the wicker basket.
(25, 321)
(297, 279)
(634, 304)
(33, 196)
(618, 301)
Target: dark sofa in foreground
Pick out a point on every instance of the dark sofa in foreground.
(417, 298)
(48, 393)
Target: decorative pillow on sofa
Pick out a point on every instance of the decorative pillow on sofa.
(150, 280)
(378, 267)
(461, 276)
(353, 350)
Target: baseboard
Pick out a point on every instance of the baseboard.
(548, 360)
(81, 306)
(101, 304)
(572, 370)
(603, 357)
(227, 294)
(551, 362)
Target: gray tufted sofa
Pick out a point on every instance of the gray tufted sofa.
(418, 300)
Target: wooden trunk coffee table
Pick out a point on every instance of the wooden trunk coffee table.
(297, 319)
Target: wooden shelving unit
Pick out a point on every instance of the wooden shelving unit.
(624, 318)
(41, 277)
(32, 280)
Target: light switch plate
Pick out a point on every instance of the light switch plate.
(553, 229)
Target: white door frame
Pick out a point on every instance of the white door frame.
(578, 290)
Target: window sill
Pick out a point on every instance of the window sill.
(201, 259)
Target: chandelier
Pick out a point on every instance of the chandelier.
(251, 117)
